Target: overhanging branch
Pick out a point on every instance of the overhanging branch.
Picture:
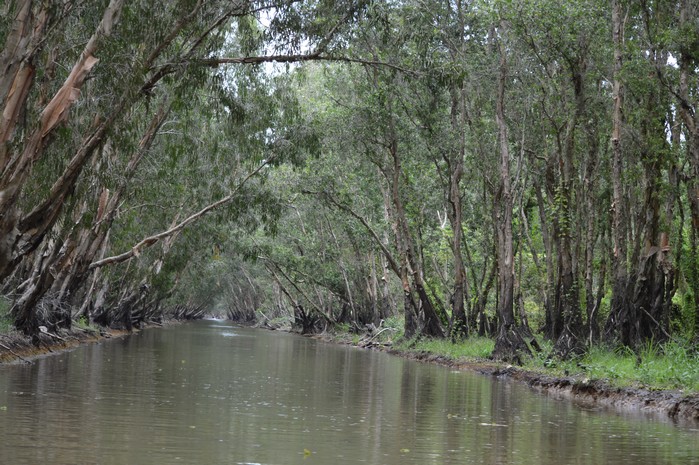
(150, 240)
(297, 58)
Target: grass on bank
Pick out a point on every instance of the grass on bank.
(672, 365)
(474, 348)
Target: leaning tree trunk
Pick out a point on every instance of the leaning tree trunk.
(26, 234)
(431, 326)
(62, 273)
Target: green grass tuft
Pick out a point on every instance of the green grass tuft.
(471, 348)
(5, 318)
(668, 366)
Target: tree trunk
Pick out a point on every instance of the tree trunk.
(654, 277)
(619, 324)
(591, 235)
(688, 111)
(30, 231)
(459, 322)
(509, 344)
(431, 326)
(569, 335)
(550, 326)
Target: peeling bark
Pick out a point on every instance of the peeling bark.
(17, 168)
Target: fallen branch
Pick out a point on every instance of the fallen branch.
(44, 330)
(376, 335)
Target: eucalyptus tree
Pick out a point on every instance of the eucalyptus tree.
(387, 143)
(560, 71)
(672, 36)
(322, 267)
(245, 125)
(79, 107)
(509, 343)
(438, 102)
(344, 180)
(367, 134)
(646, 145)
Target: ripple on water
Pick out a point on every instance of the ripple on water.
(271, 399)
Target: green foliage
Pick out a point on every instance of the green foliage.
(84, 324)
(342, 327)
(5, 319)
(359, 159)
(682, 318)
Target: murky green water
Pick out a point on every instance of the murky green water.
(209, 393)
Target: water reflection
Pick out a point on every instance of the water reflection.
(209, 393)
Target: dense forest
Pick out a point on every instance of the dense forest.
(508, 168)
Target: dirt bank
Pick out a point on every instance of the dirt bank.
(17, 348)
(673, 405)
(664, 404)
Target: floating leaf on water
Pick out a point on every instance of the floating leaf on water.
(404, 451)
(3, 408)
(306, 453)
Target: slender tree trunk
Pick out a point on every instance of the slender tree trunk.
(459, 325)
(591, 235)
(688, 112)
(619, 324)
(509, 344)
(550, 326)
(431, 325)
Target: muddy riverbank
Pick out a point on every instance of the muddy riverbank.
(17, 348)
(673, 405)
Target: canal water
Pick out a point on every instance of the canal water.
(210, 393)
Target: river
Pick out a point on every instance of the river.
(211, 393)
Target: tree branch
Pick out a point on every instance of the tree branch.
(150, 240)
(298, 58)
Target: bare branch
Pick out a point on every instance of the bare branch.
(299, 58)
(150, 240)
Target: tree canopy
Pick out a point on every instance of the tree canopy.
(499, 167)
